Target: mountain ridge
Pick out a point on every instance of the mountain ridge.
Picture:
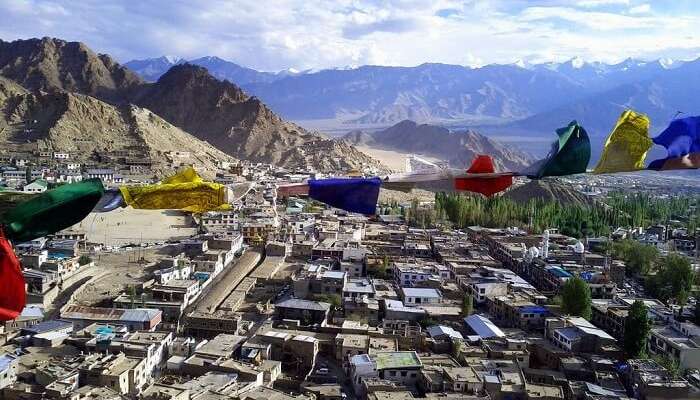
(494, 95)
(459, 148)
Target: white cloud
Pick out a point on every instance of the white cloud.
(599, 3)
(640, 9)
(303, 34)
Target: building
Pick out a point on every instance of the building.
(307, 312)
(8, 370)
(420, 296)
(651, 381)
(358, 287)
(123, 374)
(203, 324)
(576, 335)
(680, 341)
(400, 367)
(409, 275)
(145, 319)
(38, 186)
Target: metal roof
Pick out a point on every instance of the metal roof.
(304, 304)
(483, 326)
(439, 330)
(334, 274)
(48, 326)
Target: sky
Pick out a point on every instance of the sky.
(272, 35)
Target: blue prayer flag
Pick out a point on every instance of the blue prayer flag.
(682, 142)
(357, 195)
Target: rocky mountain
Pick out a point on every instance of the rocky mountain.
(51, 64)
(93, 131)
(151, 69)
(223, 115)
(187, 97)
(459, 148)
(548, 190)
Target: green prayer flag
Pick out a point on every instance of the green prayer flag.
(51, 211)
(569, 155)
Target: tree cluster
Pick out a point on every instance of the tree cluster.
(673, 280)
(576, 298)
(639, 258)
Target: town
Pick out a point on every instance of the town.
(285, 298)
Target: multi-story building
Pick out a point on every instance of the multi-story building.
(680, 341)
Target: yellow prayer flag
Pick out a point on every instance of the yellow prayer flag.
(627, 145)
(184, 191)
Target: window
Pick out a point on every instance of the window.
(404, 373)
(392, 373)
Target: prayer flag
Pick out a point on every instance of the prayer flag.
(488, 186)
(184, 191)
(569, 155)
(13, 294)
(357, 195)
(682, 142)
(627, 146)
(52, 210)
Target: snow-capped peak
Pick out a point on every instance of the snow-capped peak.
(172, 59)
(669, 63)
(521, 63)
(577, 62)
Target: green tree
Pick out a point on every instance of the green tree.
(673, 280)
(467, 305)
(639, 258)
(637, 328)
(576, 297)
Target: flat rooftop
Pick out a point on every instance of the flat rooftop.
(397, 360)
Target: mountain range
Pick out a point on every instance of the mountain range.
(151, 69)
(65, 97)
(507, 99)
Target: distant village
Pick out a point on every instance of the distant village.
(289, 299)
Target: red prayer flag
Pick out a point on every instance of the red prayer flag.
(488, 186)
(13, 295)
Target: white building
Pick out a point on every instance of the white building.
(420, 296)
(38, 186)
